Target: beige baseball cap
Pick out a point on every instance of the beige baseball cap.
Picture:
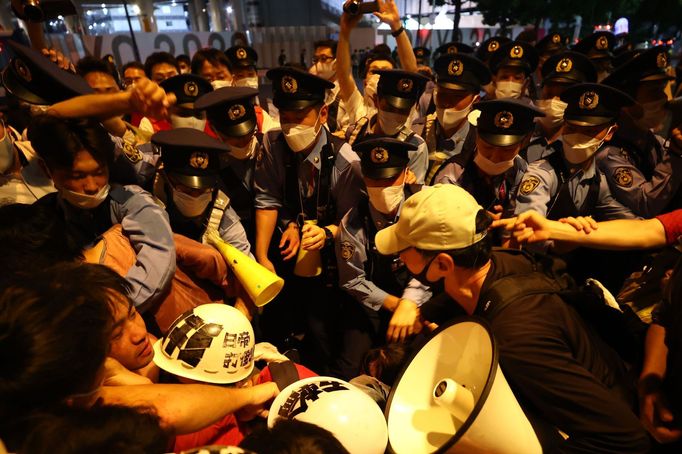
(437, 218)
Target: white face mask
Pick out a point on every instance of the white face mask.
(451, 117)
(85, 201)
(246, 152)
(325, 70)
(300, 137)
(188, 122)
(492, 168)
(220, 84)
(579, 147)
(508, 89)
(554, 110)
(386, 200)
(189, 206)
(654, 114)
(6, 152)
(250, 82)
(391, 122)
(371, 89)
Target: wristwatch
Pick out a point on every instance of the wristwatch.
(397, 33)
(328, 236)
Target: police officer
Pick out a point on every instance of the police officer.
(485, 52)
(187, 88)
(559, 72)
(239, 124)
(188, 186)
(492, 176)
(374, 281)
(550, 45)
(568, 183)
(598, 47)
(512, 68)
(306, 174)
(447, 132)
(643, 169)
(243, 60)
(396, 97)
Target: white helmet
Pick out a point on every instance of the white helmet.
(212, 343)
(337, 406)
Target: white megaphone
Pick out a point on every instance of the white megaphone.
(452, 397)
(261, 284)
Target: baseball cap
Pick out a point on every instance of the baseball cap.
(437, 218)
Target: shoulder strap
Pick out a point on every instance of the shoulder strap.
(356, 129)
(220, 204)
(405, 134)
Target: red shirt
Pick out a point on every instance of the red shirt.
(672, 224)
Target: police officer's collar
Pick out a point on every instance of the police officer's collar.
(315, 155)
(460, 135)
(585, 174)
(383, 220)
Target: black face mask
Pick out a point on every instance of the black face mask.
(436, 287)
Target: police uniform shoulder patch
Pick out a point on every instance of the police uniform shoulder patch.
(623, 177)
(528, 185)
(132, 153)
(347, 250)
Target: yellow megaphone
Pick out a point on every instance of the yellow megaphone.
(308, 263)
(261, 284)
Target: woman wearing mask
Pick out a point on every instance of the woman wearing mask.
(495, 170)
(77, 155)
(512, 67)
(447, 132)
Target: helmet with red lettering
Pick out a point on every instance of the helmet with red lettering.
(211, 343)
(337, 406)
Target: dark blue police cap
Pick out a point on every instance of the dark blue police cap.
(190, 156)
(505, 122)
(461, 72)
(33, 78)
(647, 66)
(593, 104)
(516, 54)
(490, 47)
(230, 110)
(241, 57)
(551, 44)
(597, 46)
(401, 89)
(383, 157)
(422, 54)
(568, 68)
(294, 89)
(187, 88)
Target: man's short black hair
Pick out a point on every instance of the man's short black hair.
(132, 64)
(330, 43)
(58, 140)
(158, 58)
(292, 436)
(183, 58)
(213, 56)
(89, 64)
(475, 255)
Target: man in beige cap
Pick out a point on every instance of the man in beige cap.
(560, 369)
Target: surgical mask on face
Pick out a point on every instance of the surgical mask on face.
(189, 206)
(324, 70)
(246, 152)
(85, 201)
(188, 122)
(249, 82)
(654, 114)
(387, 199)
(508, 89)
(437, 287)
(579, 147)
(554, 112)
(391, 122)
(6, 152)
(451, 117)
(216, 84)
(300, 137)
(371, 89)
(492, 168)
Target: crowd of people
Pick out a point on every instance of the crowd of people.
(528, 183)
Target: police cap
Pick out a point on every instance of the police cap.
(568, 68)
(241, 57)
(461, 72)
(401, 89)
(516, 54)
(294, 89)
(452, 48)
(490, 47)
(381, 157)
(597, 46)
(423, 55)
(190, 156)
(550, 44)
(505, 122)
(230, 110)
(187, 88)
(593, 104)
(33, 78)
(648, 66)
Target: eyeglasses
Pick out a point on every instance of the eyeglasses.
(322, 59)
